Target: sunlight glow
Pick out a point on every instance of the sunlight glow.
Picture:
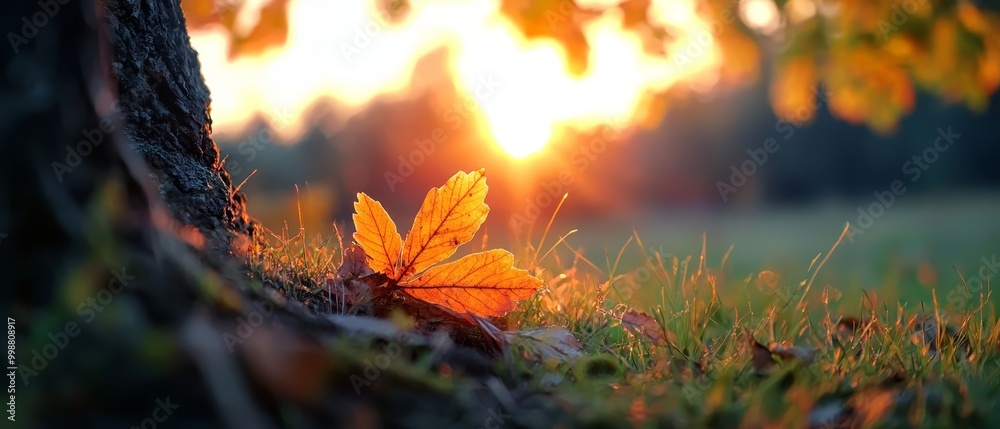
(346, 52)
(761, 15)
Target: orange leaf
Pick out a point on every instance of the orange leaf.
(449, 217)
(376, 233)
(483, 283)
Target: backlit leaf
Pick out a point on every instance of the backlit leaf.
(448, 218)
(482, 283)
(377, 235)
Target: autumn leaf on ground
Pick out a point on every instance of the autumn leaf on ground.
(493, 336)
(761, 359)
(644, 326)
(355, 263)
(787, 352)
(764, 359)
(485, 283)
(353, 281)
(546, 343)
(348, 291)
(927, 333)
(852, 331)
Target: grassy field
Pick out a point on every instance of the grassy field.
(774, 320)
(914, 248)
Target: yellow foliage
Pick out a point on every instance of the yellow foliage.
(793, 90)
(484, 283)
(872, 54)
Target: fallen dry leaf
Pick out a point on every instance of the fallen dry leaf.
(491, 333)
(448, 218)
(762, 358)
(546, 343)
(789, 352)
(350, 291)
(925, 333)
(644, 326)
(847, 328)
(852, 331)
(482, 283)
(355, 263)
(377, 235)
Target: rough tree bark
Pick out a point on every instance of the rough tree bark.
(165, 104)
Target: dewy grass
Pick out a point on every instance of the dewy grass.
(884, 364)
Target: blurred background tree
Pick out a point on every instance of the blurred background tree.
(871, 55)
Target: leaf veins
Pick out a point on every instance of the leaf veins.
(448, 218)
(377, 235)
(482, 283)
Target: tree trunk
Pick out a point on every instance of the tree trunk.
(165, 104)
(106, 306)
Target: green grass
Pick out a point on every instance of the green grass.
(904, 364)
(885, 372)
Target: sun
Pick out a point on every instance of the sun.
(525, 96)
(522, 150)
(519, 138)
